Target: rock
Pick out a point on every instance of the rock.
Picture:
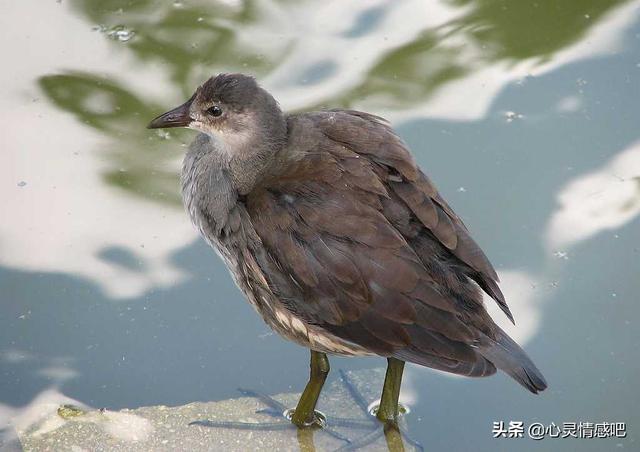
(73, 427)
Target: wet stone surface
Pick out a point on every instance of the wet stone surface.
(344, 401)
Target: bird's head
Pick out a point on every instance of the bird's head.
(231, 108)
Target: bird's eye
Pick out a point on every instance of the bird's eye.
(214, 111)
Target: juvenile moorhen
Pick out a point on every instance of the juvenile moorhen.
(339, 240)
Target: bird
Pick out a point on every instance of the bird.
(339, 240)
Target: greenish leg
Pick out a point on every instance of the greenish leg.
(305, 440)
(304, 414)
(388, 410)
(394, 438)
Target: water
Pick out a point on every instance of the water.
(117, 32)
(525, 115)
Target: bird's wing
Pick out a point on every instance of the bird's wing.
(335, 255)
(404, 180)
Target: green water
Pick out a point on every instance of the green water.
(524, 113)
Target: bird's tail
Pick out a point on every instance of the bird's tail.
(507, 356)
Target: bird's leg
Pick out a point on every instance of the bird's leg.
(394, 440)
(388, 409)
(304, 414)
(305, 440)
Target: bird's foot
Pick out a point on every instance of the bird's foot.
(276, 410)
(393, 430)
(319, 419)
(373, 429)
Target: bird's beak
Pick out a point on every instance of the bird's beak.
(178, 117)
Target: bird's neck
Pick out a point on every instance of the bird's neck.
(252, 156)
(214, 176)
(207, 188)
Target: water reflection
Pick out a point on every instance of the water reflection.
(365, 60)
(530, 29)
(136, 155)
(185, 37)
(602, 200)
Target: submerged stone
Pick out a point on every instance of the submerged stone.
(240, 424)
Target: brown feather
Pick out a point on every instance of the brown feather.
(373, 253)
